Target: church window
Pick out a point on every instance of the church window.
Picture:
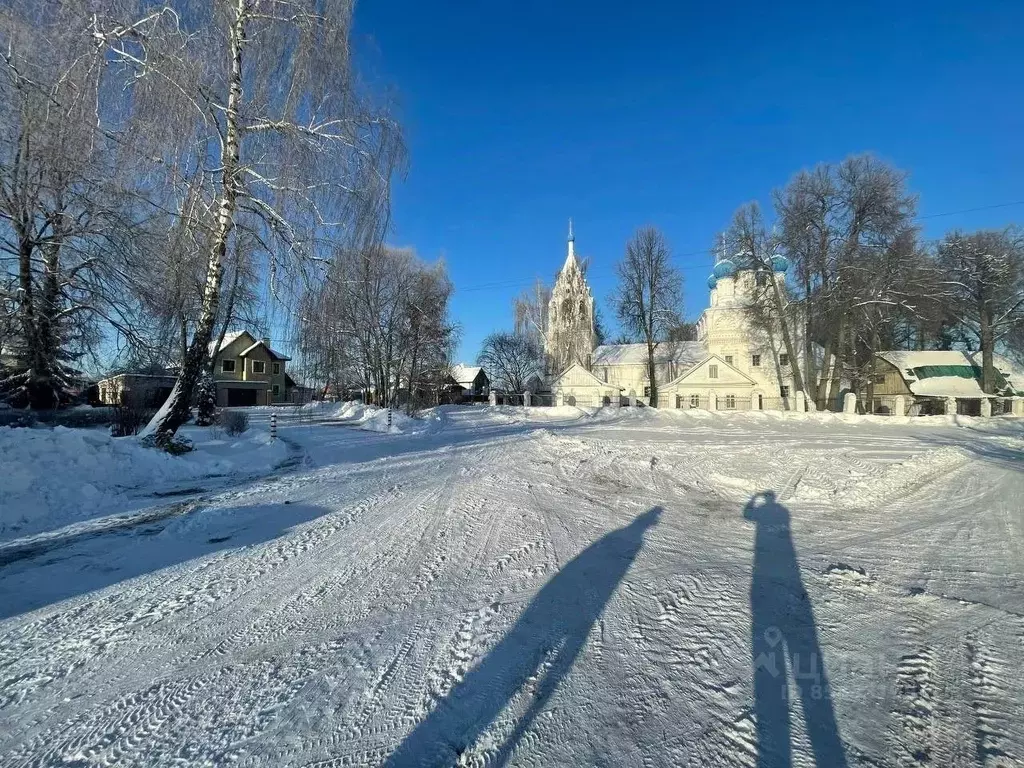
(784, 391)
(783, 359)
(679, 401)
(606, 375)
(762, 279)
(695, 401)
(730, 401)
(755, 360)
(712, 371)
(728, 359)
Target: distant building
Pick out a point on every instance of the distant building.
(930, 381)
(472, 380)
(729, 367)
(247, 371)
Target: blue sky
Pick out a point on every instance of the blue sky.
(519, 115)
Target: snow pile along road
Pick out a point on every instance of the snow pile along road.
(52, 477)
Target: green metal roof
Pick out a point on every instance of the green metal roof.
(1002, 387)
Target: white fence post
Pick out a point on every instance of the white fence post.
(951, 406)
(986, 407)
(899, 406)
(850, 402)
(492, 398)
(800, 401)
(526, 399)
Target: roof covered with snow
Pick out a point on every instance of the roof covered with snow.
(465, 374)
(952, 373)
(229, 338)
(272, 352)
(680, 352)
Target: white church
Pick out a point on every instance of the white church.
(729, 367)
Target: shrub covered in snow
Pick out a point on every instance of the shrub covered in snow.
(234, 423)
(206, 402)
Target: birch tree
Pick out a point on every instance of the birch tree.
(254, 103)
(648, 300)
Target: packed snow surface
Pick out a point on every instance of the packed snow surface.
(545, 587)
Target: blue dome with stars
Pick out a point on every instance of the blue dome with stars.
(712, 282)
(780, 263)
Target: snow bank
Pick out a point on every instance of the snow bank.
(373, 418)
(52, 477)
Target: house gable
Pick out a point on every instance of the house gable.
(577, 376)
(700, 375)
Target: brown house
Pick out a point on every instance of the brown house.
(248, 371)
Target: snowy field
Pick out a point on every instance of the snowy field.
(541, 588)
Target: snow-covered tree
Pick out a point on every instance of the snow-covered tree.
(983, 287)
(254, 104)
(648, 300)
(379, 323)
(510, 359)
(67, 217)
(847, 233)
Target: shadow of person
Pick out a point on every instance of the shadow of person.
(784, 645)
(543, 644)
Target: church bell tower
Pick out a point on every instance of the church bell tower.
(570, 337)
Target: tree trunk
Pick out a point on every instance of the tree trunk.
(986, 335)
(837, 371)
(787, 338)
(651, 373)
(176, 410)
(228, 312)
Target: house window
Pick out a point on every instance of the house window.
(878, 378)
(277, 390)
(227, 366)
(730, 401)
(258, 366)
(762, 279)
(679, 401)
(755, 361)
(783, 359)
(712, 371)
(784, 391)
(647, 391)
(728, 359)
(276, 367)
(695, 401)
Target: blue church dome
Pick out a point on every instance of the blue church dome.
(712, 282)
(724, 268)
(780, 263)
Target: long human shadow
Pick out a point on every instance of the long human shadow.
(545, 641)
(784, 646)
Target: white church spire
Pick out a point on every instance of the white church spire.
(572, 242)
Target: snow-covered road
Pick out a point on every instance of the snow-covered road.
(547, 588)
